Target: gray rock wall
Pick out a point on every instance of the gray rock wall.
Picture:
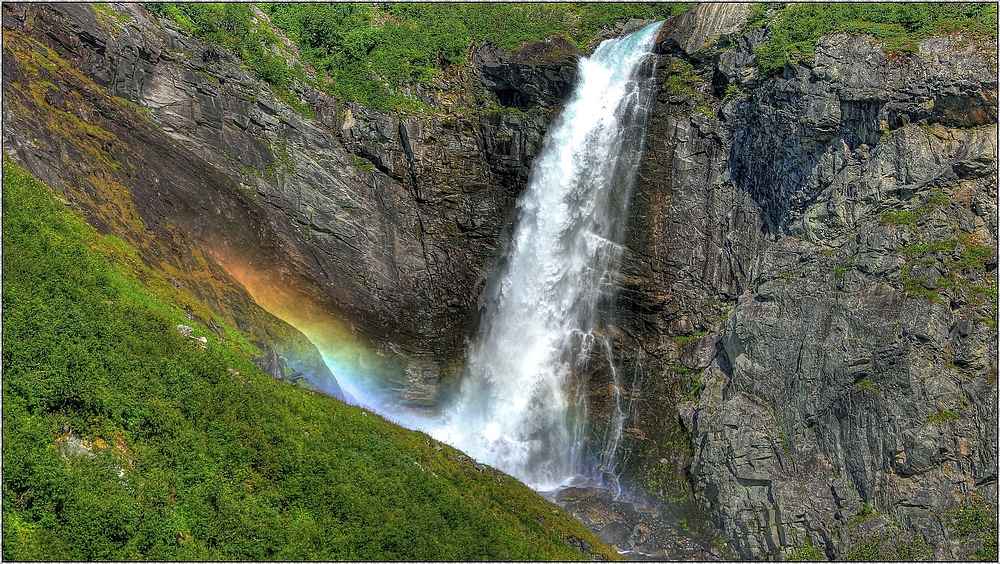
(812, 281)
(390, 222)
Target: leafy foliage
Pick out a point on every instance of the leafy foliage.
(370, 52)
(186, 451)
(889, 547)
(960, 259)
(975, 521)
(943, 417)
(806, 553)
(793, 30)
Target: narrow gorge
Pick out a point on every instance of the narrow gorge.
(717, 280)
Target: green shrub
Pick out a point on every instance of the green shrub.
(794, 30)
(900, 217)
(865, 511)
(370, 52)
(868, 385)
(231, 25)
(943, 417)
(806, 553)
(972, 521)
(881, 548)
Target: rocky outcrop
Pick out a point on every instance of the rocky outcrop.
(810, 287)
(383, 225)
(698, 28)
(535, 74)
(870, 350)
(125, 175)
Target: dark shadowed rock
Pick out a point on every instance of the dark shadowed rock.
(536, 74)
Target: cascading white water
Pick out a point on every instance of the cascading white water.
(520, 408)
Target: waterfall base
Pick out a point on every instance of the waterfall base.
(640, 527)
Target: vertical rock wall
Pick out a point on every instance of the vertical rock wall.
(812, 286)
(385, 225)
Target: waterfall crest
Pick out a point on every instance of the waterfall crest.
(520, 407)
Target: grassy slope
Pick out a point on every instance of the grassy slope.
(195, 454)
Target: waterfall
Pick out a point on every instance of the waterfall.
(522, 405)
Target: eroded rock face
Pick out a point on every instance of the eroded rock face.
(535, 74)
(389, 222)
(810, 284)
(124, 174)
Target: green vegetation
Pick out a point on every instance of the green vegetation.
(960, 270)
(794, 29)
(732, 91)
(186, 451)
(943, 417)
(685, 339)
(866, 510)
(681, 79)
(959, 259)
(111, 19)
(974, 521)
(784, 441)
(361, 164)
(370, 52)
(909, 217)
(890, 547)
(888, 543)
(664, 479)
(694, 386)
(868, 385)
(806, 553)
(900, 217)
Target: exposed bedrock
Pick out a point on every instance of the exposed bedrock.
(810, 290)
(388, 224)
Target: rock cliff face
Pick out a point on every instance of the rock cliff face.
(812, 284)
(127, 176)
(807, 309)
(390, 222)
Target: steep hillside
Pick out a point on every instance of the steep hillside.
(126, 438)
(378, 228)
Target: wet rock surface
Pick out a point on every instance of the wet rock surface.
(637, 526)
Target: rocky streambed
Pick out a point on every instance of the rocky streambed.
(643, 527)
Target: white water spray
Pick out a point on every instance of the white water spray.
(520, 407)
